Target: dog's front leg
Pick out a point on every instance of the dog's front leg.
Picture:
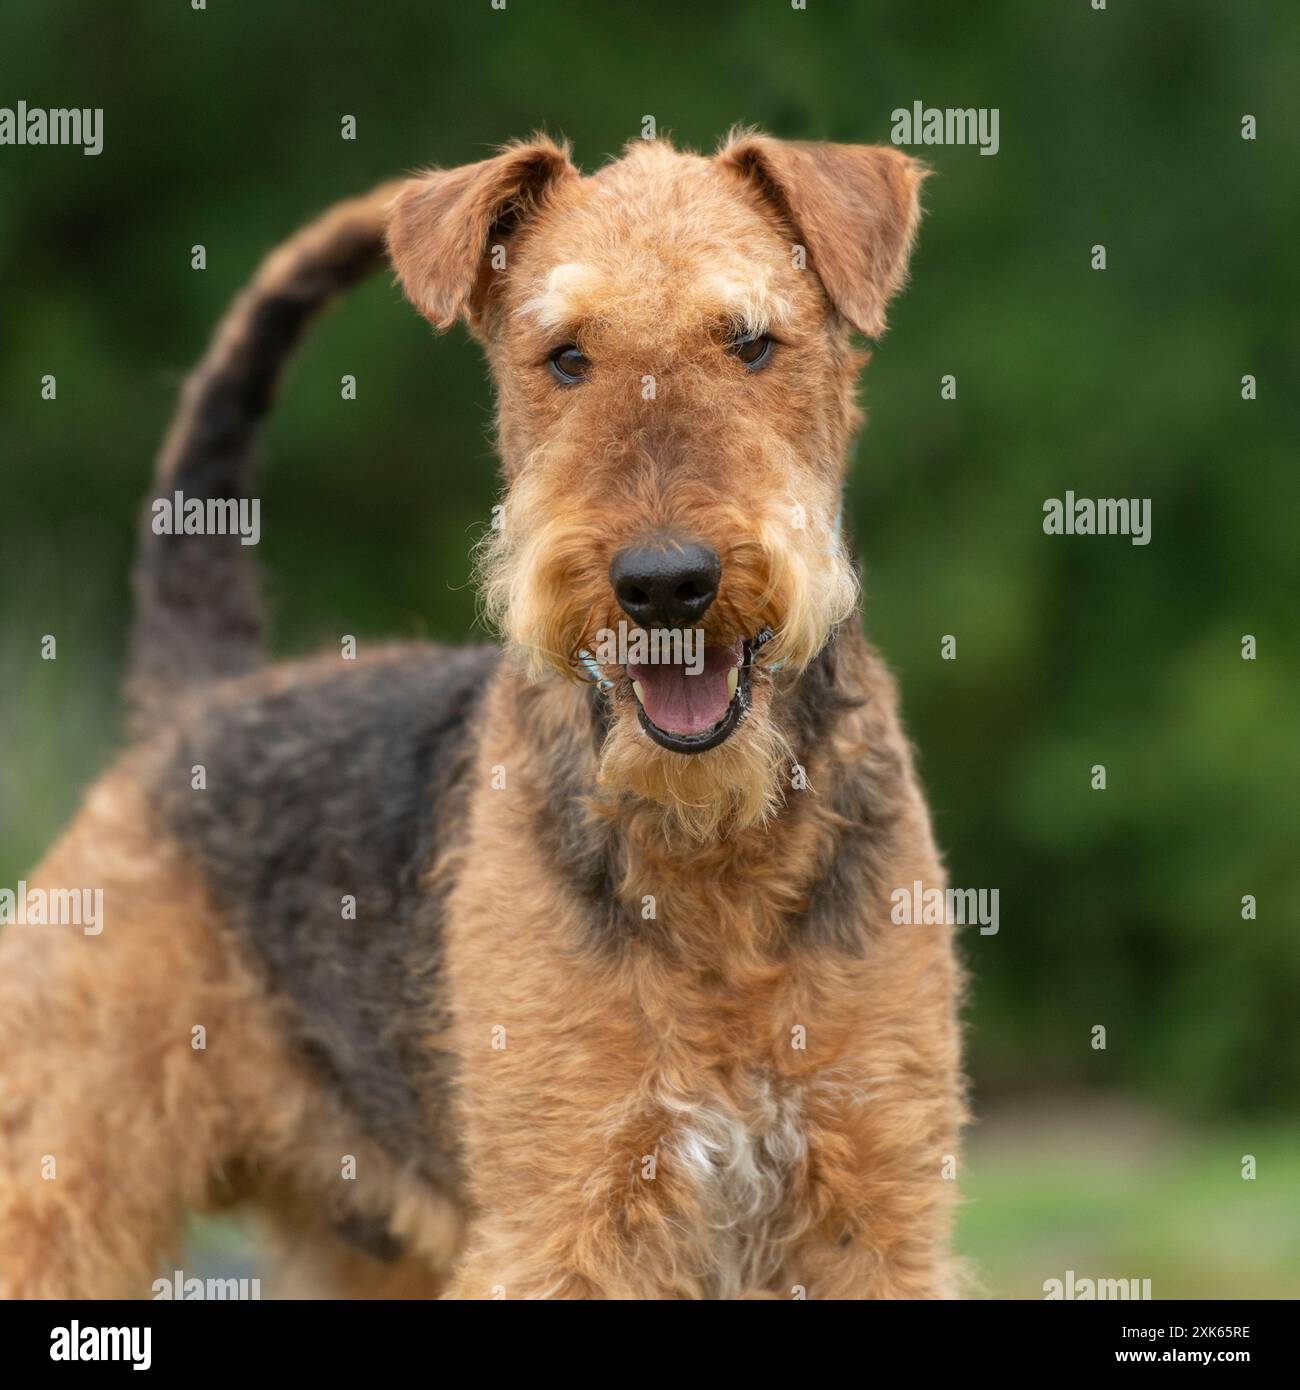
(863, 1268)
(884, 1165)
(501, 1263)
(591, 1220)
(567, 1256)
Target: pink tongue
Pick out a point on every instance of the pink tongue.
(682, 703)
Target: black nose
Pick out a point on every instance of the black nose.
(668, 585)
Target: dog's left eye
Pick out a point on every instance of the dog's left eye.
(753, 349)
(568, 365)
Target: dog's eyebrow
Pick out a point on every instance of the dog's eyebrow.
(558, 302)
(573, 292)
(747, 298)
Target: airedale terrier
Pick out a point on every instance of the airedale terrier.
(523, 973)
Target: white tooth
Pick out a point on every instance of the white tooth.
(733, 680)
(638, 692)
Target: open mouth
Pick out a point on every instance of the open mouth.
(691, 712)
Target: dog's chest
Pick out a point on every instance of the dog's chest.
(741, 1158)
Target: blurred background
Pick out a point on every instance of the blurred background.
(1120, 907)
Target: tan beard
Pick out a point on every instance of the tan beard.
(702, 795)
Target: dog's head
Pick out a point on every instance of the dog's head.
(670, 344)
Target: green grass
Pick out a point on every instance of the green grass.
(1114, 1193)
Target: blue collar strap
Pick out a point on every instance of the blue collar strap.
(593, 670)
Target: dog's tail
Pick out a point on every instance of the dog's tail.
(198, 609)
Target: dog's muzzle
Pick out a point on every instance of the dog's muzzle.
(691, 712)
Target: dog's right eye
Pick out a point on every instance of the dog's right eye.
(568, 365)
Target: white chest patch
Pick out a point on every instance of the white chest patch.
(741, 1162)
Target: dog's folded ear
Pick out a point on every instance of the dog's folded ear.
(854, 208)
(444, 224)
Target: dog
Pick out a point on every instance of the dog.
(514, 971)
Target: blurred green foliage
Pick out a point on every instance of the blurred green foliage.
(1121, 907)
